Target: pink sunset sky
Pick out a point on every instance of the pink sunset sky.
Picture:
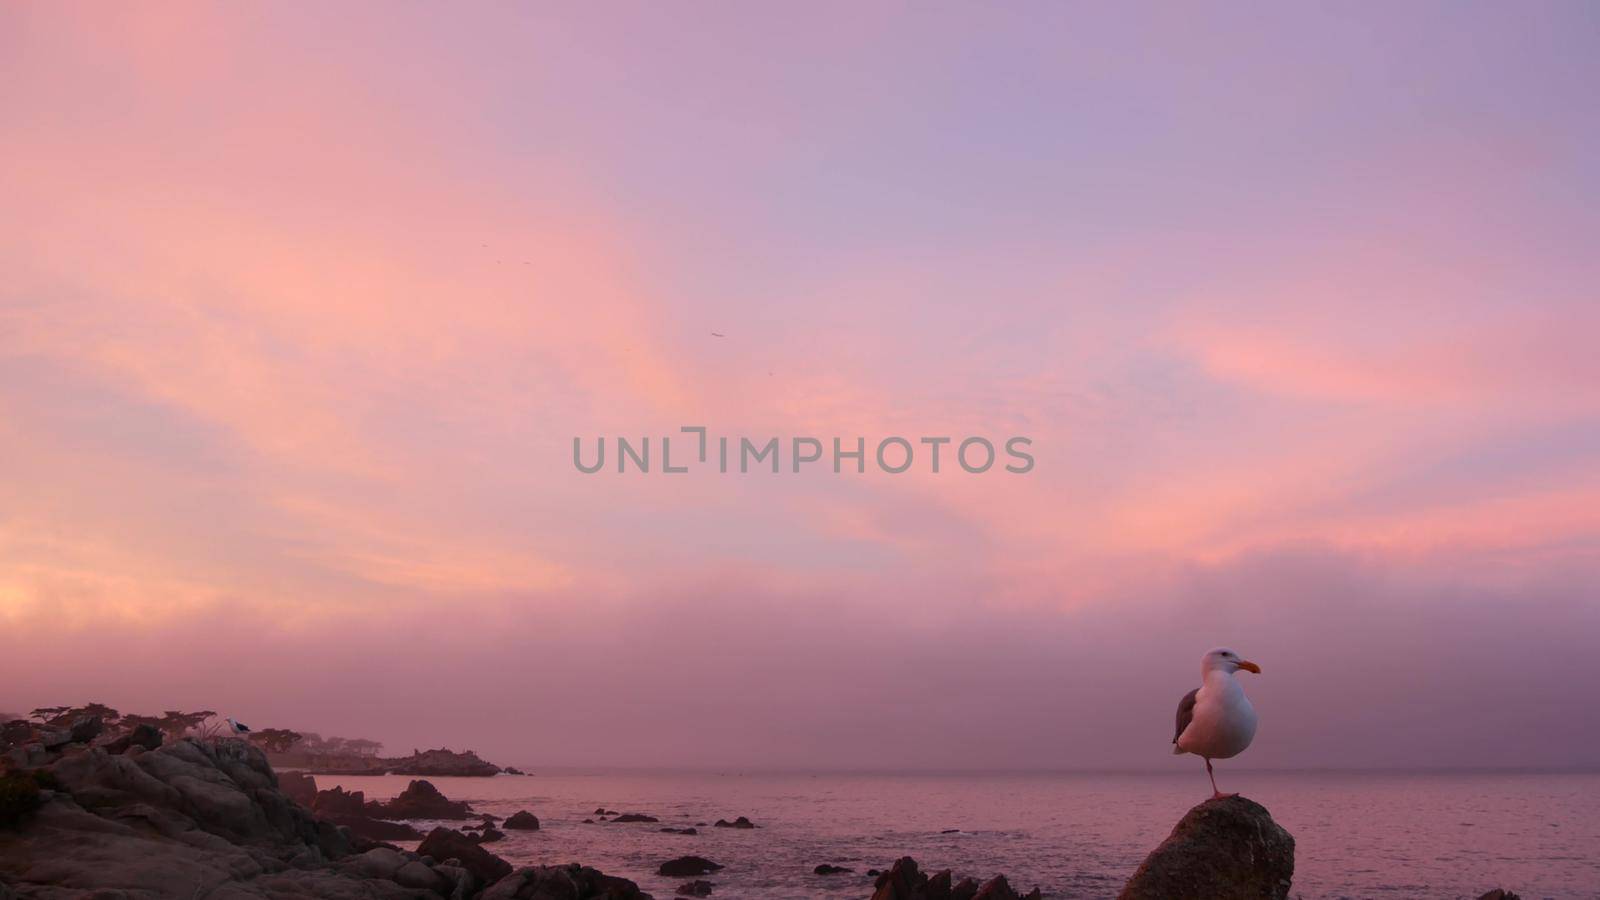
(302, 308)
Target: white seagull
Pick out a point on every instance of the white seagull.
(1216, 720)
(237, 727)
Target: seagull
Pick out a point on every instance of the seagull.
(237, 727)
(1216, 720)
(717, 334)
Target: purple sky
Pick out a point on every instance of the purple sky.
(304, 308)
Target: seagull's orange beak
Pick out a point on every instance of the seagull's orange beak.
(1249, 666)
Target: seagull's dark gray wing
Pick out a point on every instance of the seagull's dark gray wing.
(1185, 713)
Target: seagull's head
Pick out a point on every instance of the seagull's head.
(1225, 660)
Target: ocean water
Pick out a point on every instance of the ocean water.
(1385, 835)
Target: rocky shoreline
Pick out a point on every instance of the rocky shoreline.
(87, 813)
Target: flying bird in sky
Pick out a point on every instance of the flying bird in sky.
(1216, 720)
(717, 334)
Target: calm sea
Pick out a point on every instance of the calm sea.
(1074, 835)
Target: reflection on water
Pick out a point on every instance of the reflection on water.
(1074, 835)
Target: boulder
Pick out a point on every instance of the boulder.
(826, 869)
(523, 821)
(740, 822)
(447, 844)
(1500, 894)
(687, 867)
(569, 882)
(697, 888)
(300, 787)
(1223, 849)
(85, 729)
(680, 831)
(420, 800)
(635, 817)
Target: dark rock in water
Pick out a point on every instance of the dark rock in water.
(602, 811)
(420, 800)
(145, 737)
(997, 888)
(349, 809)
(446, 844)
(701, 888)
(1500, 894)
(951, 831)
(904, 881)
(489, 835)
(1222, 849)
(374, 829)
(635, 817)
(588, 821)
(523, 821)
(680, 831)
(569, 882)
(740, 822)
(513, 770)
(300, 787)
(826, 869)
(688, 867)
(336, 801)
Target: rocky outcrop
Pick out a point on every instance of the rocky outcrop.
(635, 817)
(300, 787)
(442, 762)
(688, 867)
(1225, 849)
(828, 869)
(420, 800)
(448, 844)
(1500, 894)
(351, 810)
(523, 821)
(697, 888)
(740, 822)
(190, 818)
(569, 882)
(905, 881)
(210, 818)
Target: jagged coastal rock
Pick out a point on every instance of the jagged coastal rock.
(210, 818)
(1225, 849)
(449, 844)
(420, 800)
(905, 881)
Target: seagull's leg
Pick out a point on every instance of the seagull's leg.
(1215, 794)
